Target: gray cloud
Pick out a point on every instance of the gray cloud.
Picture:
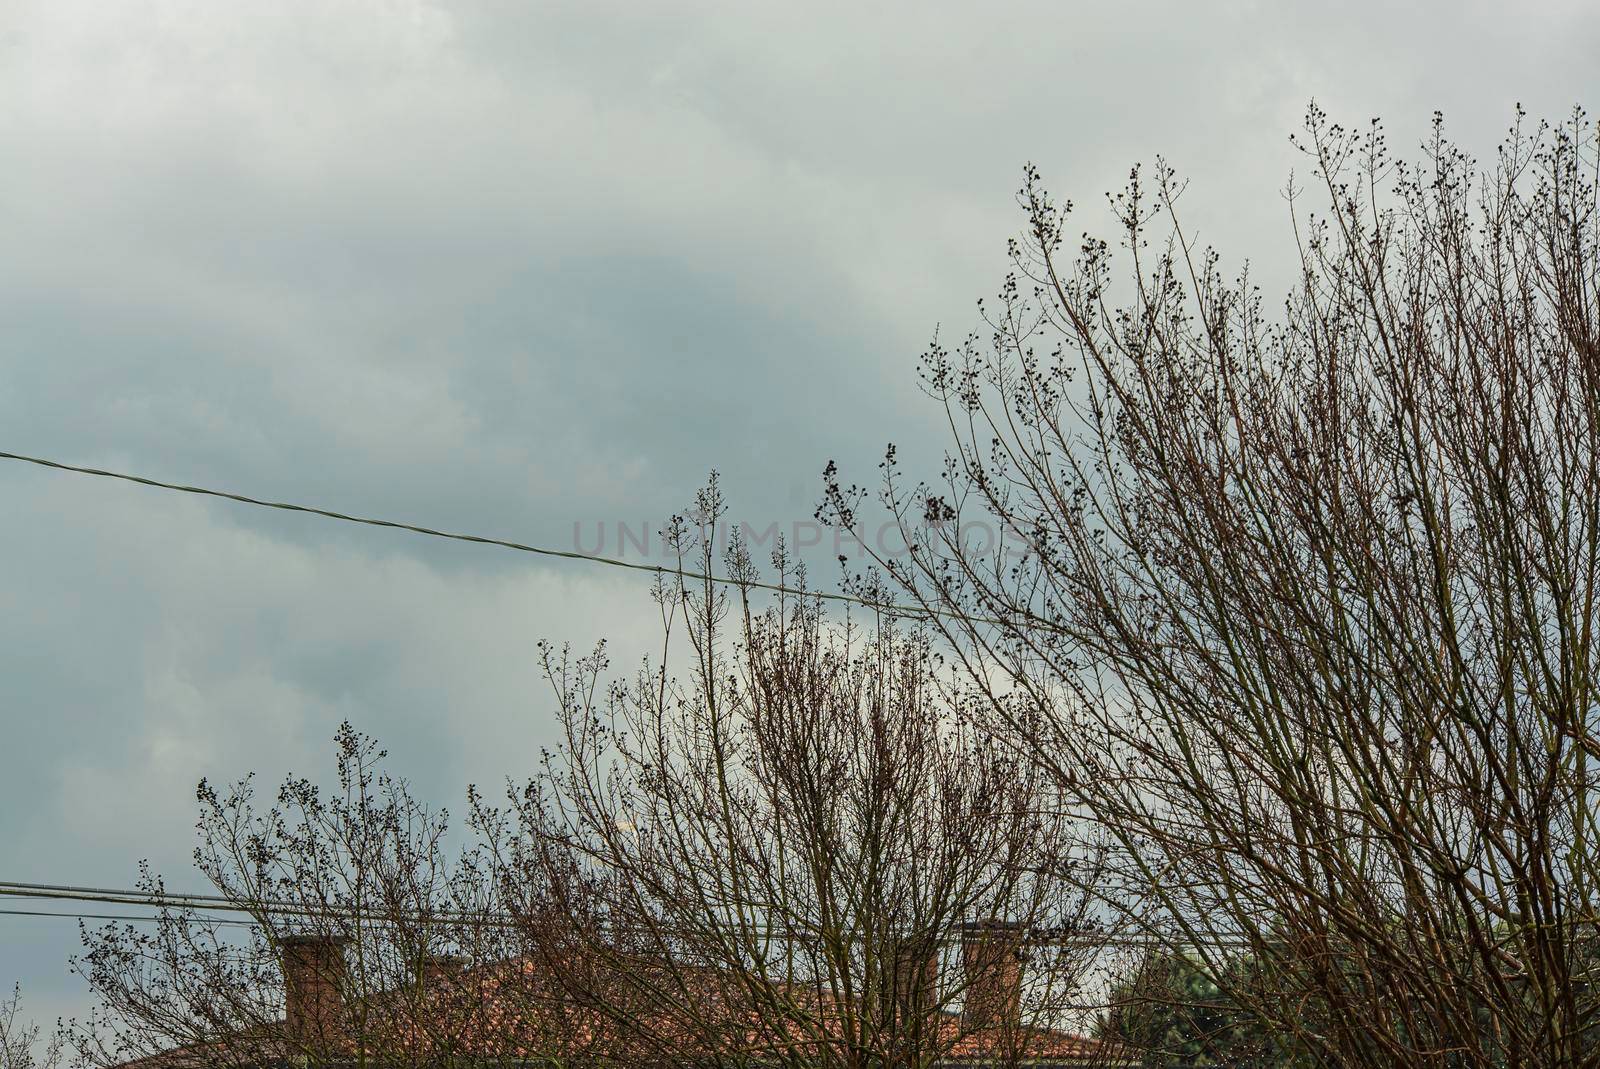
(506, 267)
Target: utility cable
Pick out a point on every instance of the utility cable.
(209, 903)
(887, 608)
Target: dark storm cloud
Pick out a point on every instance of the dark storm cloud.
(508, 267)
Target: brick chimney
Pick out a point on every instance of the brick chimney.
(447, 1012)
(991, 961)
(313, 986)
(441, 971)
(915, 982)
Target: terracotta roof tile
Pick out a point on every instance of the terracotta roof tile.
(508, 1011)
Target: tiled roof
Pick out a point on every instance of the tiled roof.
(509, 1012)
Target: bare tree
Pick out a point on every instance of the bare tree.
(23, 1044)
(770, 862)
(764, 845)
(1302, 608)
(344, 924)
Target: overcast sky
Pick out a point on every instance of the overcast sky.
(510, 267)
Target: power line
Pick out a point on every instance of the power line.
(1107, 942)
(888, 608)
(150, 918)
(62, 890)
(209, 903)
